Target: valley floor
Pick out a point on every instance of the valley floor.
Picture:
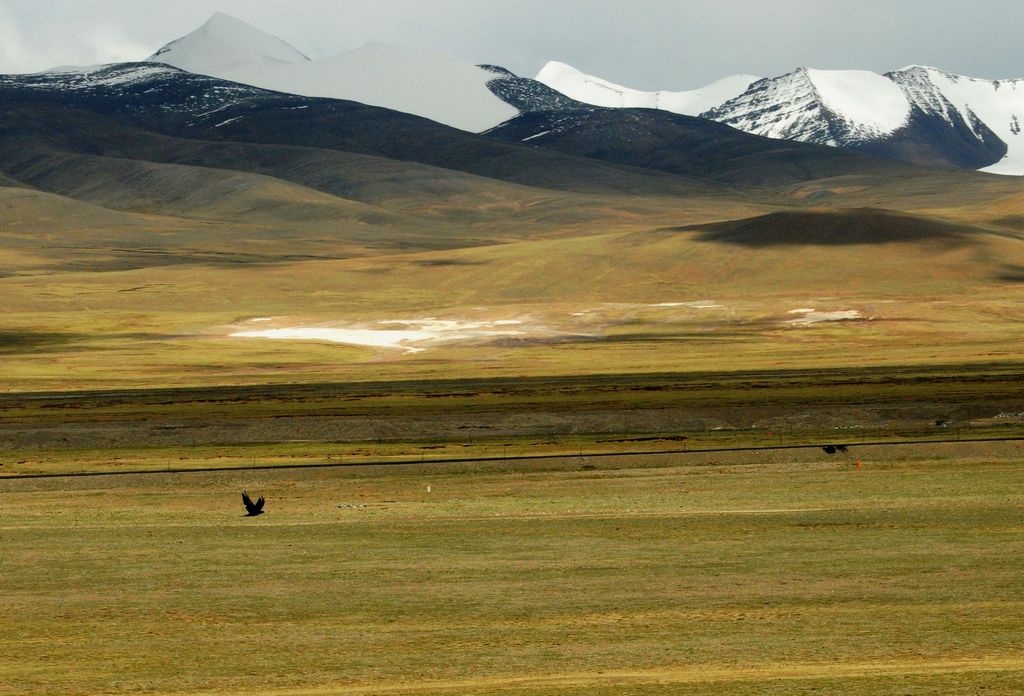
(744, 573)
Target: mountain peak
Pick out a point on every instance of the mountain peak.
(224, 42)
(418, 81)
(221, 18)
(554, 68)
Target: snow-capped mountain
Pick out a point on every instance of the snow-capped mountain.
(433, 85)
(920, 115)
(593, 90)
(828, 107)
(136, 90)
(985, 107)
(917, 114)
(227, 43)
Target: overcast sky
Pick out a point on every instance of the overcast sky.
(647, 44)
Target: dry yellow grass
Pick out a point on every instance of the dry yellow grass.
(145, 295)
(728, 574)
(588, 304)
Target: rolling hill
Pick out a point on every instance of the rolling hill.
(148, 214)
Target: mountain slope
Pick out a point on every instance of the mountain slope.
(990, 110)
(827, 107)
(161, 99)
(684, 145)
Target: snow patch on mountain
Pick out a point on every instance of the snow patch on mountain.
(141, 89)
(92, 77)
(597, 92)
(870, 103)
(433, 85)
(104, 76)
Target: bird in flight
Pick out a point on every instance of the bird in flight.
(252, 509)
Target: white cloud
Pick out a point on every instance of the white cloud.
(31, 46)
(108, 44)
(14, 55)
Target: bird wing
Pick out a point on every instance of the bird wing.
(259, 503)
(248, 502)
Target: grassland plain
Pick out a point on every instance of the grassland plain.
(650, 302)
(746, 573)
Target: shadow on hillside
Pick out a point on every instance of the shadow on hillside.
(1014, 221)
(32, 341)
(450, 262)
(863, 226)
(1012, 274)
